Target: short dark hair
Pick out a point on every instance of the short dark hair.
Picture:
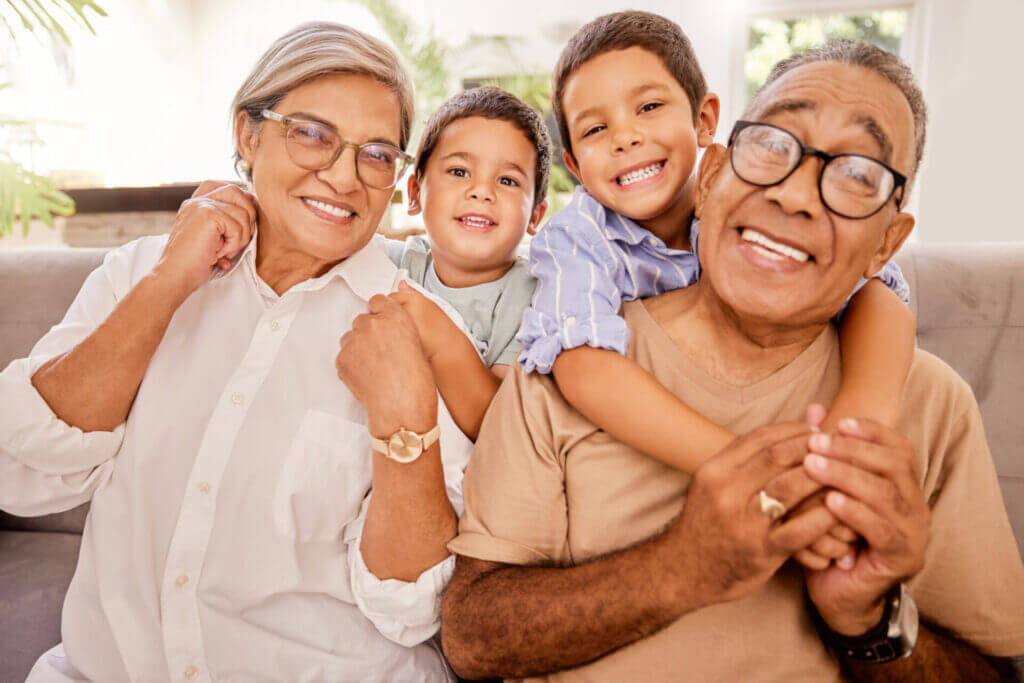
(869, 56)
(500, 105)
(620, 31)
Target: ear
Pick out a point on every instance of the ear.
(895, 235)
(570, 164)
(707, 119)
(413, 188)
(715, 159)
(536, 217)
(247, 136)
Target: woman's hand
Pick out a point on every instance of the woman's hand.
(383, 364)
(210, 229)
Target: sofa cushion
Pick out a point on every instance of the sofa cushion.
(69, 522)
(35, 570)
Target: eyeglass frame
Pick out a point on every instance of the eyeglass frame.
(900, 180)
(287, 121)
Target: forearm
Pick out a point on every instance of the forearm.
(877, 344)
(466, 384)
(626, 401)
(551, 619)
(92, 386)
(936, 657)
(409, 520)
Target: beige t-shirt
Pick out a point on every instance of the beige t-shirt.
(546, 486)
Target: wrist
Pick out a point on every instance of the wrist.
(851, 623)
(173, 287)
(419, 421)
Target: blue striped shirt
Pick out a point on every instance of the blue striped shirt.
(587, 261)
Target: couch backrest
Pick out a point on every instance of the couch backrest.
(968, 299)
(36, 287)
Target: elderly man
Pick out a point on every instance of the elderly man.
(582, 557)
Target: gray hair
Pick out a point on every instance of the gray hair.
(885, 64)
(317, 49)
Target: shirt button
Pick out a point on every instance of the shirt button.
(181, 581)
(237, 398)
(190, 672)
(275, 325)
(203, 487)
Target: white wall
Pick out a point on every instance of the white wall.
(167, 85)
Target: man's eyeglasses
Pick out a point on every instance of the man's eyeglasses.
(314, 147)
(850, 185)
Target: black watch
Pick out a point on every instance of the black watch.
(893, 638)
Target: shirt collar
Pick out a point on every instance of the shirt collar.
(615, 226)
(367, 272)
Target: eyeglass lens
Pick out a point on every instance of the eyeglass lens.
(852, 186)
(313, 147)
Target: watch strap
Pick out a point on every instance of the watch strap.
(883, 643)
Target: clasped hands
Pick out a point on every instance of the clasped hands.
(872, 521)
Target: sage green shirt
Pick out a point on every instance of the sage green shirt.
(492, 311)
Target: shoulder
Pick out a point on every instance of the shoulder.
(932, 382)
(129, 263)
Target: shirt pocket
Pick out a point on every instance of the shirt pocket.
(324, 479)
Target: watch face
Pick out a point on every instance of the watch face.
(405, 446)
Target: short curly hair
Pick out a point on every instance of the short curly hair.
(500, 105)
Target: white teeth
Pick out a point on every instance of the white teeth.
(476, 222)
(328, 208)
(771, 248)
(640, 174)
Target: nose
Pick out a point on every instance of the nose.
(798, 194)
(626, 137)
(342, 175)
(480, 190)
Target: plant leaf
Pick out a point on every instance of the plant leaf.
(25, 195)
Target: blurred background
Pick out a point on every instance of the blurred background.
(112, 110)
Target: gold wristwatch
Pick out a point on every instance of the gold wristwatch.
(404, 446)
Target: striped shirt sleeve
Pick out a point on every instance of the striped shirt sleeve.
(578, 295)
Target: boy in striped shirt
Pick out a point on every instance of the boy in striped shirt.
(632, 108)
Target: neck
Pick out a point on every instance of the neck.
(454, 276)
(728, 347)
(673, 225)
(282, 267)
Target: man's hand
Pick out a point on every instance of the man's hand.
(433, 325)
(877, 496)
(383, 364)
(723, 530)
(211, 228)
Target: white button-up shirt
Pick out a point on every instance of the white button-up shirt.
(227, 511)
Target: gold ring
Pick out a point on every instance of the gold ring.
(771, 507)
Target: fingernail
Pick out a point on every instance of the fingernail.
(845, 562)
(848, 423)
(837, 499)
(817, 462)
(821, 442)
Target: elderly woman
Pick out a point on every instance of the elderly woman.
(192, 394)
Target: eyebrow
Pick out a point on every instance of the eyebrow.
(875, 131)
(306, 116)
(868, 123)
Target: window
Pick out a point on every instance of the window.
(773, 38)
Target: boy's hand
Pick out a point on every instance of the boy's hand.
(838, 544)
(432, 323)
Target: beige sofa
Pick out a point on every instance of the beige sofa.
(968, 298)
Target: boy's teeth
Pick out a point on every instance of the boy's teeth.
(476, 222)
(640, 174)
(771, 248)
(328, 208)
